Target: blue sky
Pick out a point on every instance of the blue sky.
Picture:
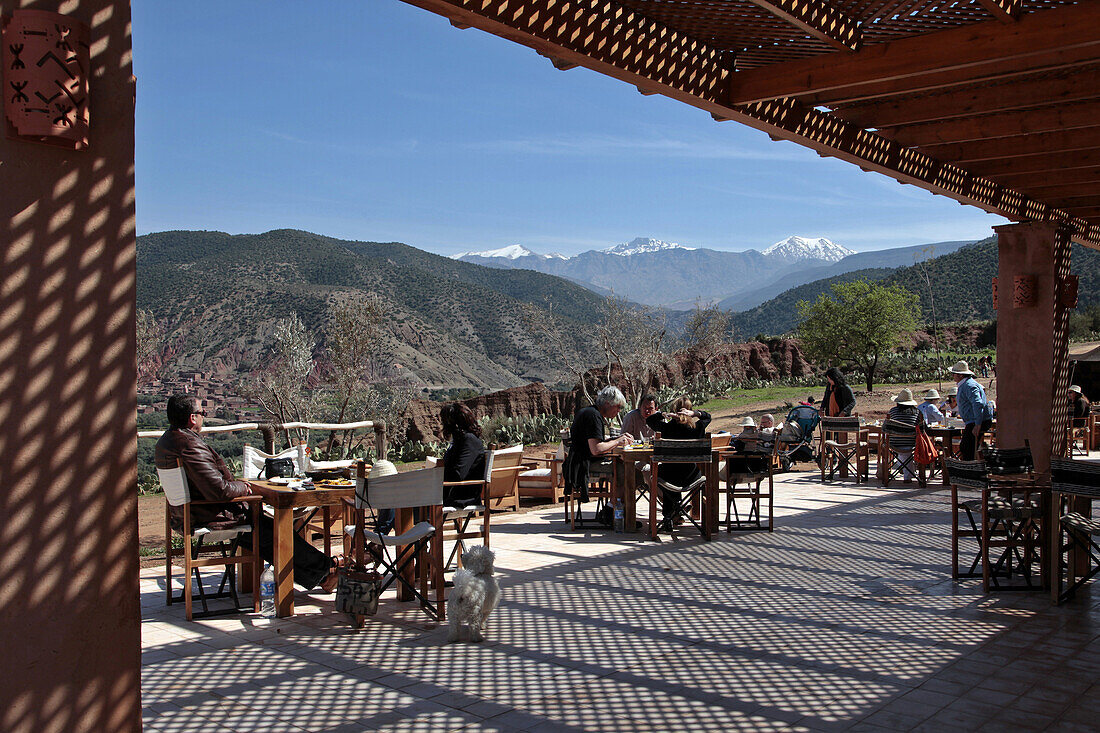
(375, 120)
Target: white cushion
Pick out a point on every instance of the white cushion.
(418, 532)
(220, 535)
(453, 512)
(534, 473)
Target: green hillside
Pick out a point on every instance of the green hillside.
(454, 323)
(961, 282)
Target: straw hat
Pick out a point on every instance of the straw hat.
(951, 392)
(383, 468)
(905, 397)
(748, 422)
(1075, 388)
(961, 367)
(932, 394)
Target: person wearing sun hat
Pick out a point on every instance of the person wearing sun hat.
(950, 406)
(928, 408)
(1079, 406)
(905, 411)
(974, 410)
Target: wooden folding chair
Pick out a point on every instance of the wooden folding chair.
(417, 553)
(177, 493)
(1076, 542)
(690, 451)
(840, 451)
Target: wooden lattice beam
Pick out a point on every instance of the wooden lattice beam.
(1020, 93)
(1004, 10)
(819, 19)
(622, 43)
(1017, 146)
(1006, 124)
(1075, 166)
(971, 49)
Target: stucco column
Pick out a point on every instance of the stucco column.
(69, 606)
(1032, 344)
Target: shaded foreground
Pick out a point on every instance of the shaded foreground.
(845, 617)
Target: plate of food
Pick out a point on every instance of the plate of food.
(336, 483)
(285, 481)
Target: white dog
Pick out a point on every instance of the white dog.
(474, 597)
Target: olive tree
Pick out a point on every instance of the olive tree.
(860, 322)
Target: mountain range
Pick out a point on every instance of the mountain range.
(452, 324)
(958, 284)
(655, 272)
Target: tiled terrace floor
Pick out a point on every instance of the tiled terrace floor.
(844, 618)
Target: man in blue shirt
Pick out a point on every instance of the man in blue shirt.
(928, 408)
(973, 409)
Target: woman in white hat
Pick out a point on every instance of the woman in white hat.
(949, 406)
(928, 408)
(974, 410)
(905, 411)
(1079, 405)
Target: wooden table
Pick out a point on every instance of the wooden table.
(625, 484)
(947, 435)
(284, 501)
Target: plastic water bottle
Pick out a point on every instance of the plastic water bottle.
(267, 591)
(618, 516)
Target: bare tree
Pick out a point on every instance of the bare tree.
(280, 387)
(150, 339)
(929, 252)
(546, 328)
(631, 337)
(707, 330)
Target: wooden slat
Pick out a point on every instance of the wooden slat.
(1059, 188)
(818, 18)
(1026, 92)
(1004, 124)
(976, 45)
(1016, 146)
(1068, 167)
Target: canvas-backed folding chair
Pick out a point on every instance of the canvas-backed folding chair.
(1074, 485)
(227, 542)
(890, 463)
(971, 477)
(843, 448)
(754, 468)
(1012, 521)
(416, 552)
(669, 451)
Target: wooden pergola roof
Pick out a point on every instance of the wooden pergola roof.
(995, 103)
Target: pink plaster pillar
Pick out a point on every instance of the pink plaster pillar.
(1032, 347)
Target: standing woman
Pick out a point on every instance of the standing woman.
(839, 399)
(682, 423)
(465, 458)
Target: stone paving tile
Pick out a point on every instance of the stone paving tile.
(844, 618)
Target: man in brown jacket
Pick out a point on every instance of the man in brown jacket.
(210, 480)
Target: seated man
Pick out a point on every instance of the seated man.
(928, 408)
(635, 420)
(210, 480)
(586, 439)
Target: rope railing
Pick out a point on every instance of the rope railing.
(269, 426)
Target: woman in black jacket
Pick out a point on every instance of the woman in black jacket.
(682, 423)
(839, 399)
(465, 458)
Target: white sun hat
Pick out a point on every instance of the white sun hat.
(382, 468)
(748, 422)
(931, 394)
(961, 367)
(951, 392)
(1075, 388)
(905, 397)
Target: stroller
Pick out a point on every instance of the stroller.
(796, 437)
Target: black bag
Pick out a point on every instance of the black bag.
(276, 467)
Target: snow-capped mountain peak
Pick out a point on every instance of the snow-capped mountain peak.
(641, 245)
(794, 249)
(511, 252)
